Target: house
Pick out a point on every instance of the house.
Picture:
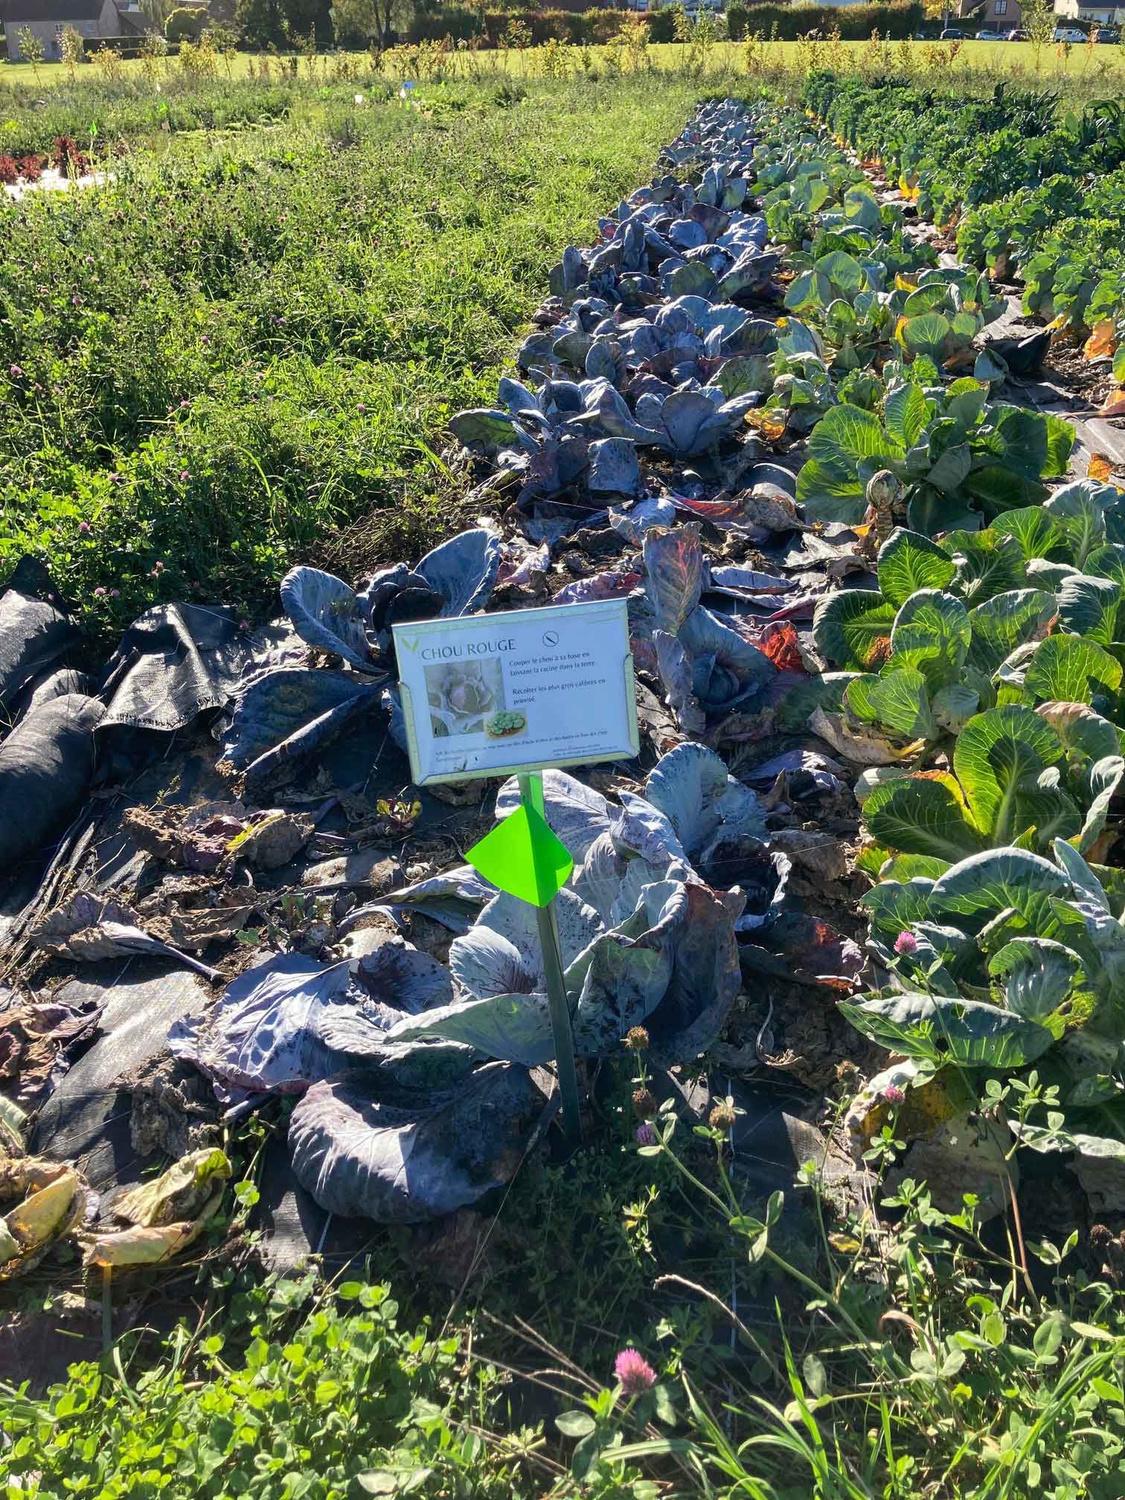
(992, 15)
(1000, 15)
(1097, 15)
(48, 19)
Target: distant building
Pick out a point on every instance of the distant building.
(1098, 15)
(992, 15)
(95, 20)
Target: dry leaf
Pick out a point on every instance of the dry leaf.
(146, 1247)
(863, 749)
(1102, 340)
(272, 840)
(192, 930)
(91, 927)
(1100, 467)
(1114, 404)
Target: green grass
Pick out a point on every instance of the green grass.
(852, 1364)
(292, 1399)
(241, 345)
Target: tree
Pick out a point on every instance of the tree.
(72, 46)
(157, 11)
(304, 18)
(355, 22)
(260, 23)
(388, 14)
(185, 25)
(31, 48)
(1038, 20)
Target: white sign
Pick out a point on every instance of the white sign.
(517, 691)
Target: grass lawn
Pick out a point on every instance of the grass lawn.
(240, 345)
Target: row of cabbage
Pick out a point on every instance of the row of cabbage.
(860, 363)
(661, 370)
(1046, 203)
(979, 686)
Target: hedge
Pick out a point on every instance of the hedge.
(856, 22)
(459, 23)
(901, 18)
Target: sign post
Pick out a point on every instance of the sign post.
(524, 857)
(518, 692)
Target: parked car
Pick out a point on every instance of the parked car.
(989, 36)
(1107, 34)
(1017, 36)
(1068, 34)
(951, 34)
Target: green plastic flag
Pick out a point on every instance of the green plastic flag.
(524, 857)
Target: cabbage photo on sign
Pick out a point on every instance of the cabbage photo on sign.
(464, 699)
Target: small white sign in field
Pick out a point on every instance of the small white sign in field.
(517, 691)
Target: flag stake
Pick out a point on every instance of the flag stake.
(531, 795)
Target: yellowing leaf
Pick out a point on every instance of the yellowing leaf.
(12, 1123)
(54, 1201)
(905, 283)
(1100, 467)
(946, 780)
(177, 1193)
(846, 1244)
(1101, 341)
(769, 422)
(1114, 404)
(140, 1246)
(36, 1219)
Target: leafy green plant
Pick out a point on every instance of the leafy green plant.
(952, 451)
(318, 1399)
(1002, 166)
(1012, 960)
(1019, 777)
